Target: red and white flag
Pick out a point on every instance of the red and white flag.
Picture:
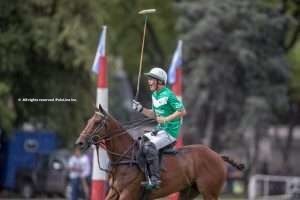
(100, 68)
(100, 58)
(175, 71)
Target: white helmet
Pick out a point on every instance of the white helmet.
(158, 73)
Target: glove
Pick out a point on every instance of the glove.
(137, 106)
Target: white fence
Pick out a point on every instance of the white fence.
(265, 187)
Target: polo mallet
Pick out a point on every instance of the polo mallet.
(142, 12)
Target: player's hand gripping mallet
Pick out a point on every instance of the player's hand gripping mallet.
(142, 12)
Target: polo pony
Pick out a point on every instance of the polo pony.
(193, 170)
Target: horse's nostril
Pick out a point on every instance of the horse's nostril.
(80, 144)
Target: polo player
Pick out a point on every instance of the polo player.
(168, 112)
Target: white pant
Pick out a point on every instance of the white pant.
(161, 140)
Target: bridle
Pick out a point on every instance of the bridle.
(94, 138)
(97, 140)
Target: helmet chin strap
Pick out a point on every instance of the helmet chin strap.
(157, 82)
(156, 85)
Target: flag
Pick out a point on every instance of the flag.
(175, 71)
(100, 61)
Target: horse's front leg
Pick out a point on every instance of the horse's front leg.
(124, 195)
(112, 195)
(129, 194)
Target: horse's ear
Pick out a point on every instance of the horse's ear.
(102, 110)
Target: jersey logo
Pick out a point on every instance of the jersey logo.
(160, 102)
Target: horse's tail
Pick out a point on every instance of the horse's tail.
(239, 166)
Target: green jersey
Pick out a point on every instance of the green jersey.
(165, 103)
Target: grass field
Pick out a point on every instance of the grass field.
(221, 198)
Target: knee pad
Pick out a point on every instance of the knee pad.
(150, 151)
(149, 146)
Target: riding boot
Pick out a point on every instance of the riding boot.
(151, 155)
(155, 172)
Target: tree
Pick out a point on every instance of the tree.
(235, 59)
(47, 48)
(291, 9)
(45, 55)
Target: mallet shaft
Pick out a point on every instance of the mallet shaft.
(141, 61)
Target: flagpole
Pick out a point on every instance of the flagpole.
(99, 177)
(175, 80)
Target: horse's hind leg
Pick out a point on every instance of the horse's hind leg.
(210, 190)
(188, 193)
(209, 197)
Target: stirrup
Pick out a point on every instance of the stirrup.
(156, 184)
(150, 185)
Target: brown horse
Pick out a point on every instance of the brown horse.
(194, 169)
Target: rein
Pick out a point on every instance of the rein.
(100, 141)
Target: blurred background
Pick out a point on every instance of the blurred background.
(241, 82)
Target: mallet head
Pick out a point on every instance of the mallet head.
(147, 11)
